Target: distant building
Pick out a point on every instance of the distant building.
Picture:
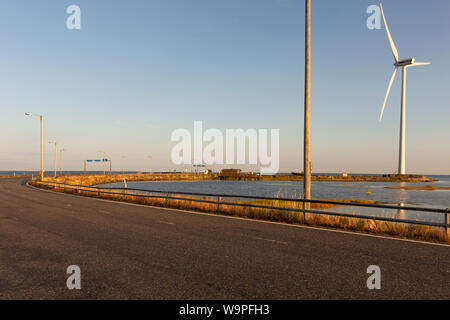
(230, 172)
(344, 174)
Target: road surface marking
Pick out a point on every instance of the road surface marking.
(165, 222)
(271, 240)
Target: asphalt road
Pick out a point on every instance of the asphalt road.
(135, 252)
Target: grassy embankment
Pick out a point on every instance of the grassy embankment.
(401, 230)
(421, 188)
(331, 178)
(92, 180)
(244, 177)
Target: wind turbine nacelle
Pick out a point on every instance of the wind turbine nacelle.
(405, 62)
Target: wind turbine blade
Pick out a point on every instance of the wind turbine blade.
(391, 42)
(420, 64)
(387, 93)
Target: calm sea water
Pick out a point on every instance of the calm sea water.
(322, 190)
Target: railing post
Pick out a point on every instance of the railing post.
(306, 206)
(303, 207)
(166, 200)
(447, 222)
(219, 200)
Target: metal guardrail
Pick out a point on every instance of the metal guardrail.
(210, 198)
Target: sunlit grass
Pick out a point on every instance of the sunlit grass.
(92, 180)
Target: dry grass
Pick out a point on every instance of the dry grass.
(400, 230)
(291, 204)
(422, 188)
(332, 178)
(244, 177)
(91, 180)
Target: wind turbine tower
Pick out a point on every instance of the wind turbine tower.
(404, 64)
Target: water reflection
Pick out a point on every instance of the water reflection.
(401, 212)
(401, 198)
(323, 190)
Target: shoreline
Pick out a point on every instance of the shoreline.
(89, 180)
(333, 178)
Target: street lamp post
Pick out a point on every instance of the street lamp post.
(307, 132)
(60, 160)
(150, 158)
(123, 157)
(41, 173)
(103, 160)
(56, 151)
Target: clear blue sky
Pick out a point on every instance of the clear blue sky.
(137, 70)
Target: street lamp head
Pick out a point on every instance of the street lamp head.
(32, 114)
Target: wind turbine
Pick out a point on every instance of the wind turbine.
(404, 64)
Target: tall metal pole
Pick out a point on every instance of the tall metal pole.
(402, 151)
(307, 133)
(103, 160)
(150, 158)
(42, 153)
(56, 151)
(60, 160)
